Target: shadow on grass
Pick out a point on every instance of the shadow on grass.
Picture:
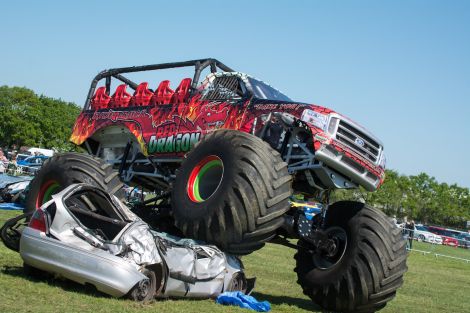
(90, 290)
(53, 281)
(278, 300)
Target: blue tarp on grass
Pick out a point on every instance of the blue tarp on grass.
(238, 298)
(11, 206)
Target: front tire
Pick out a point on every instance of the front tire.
(370, 270)
(62, 170)
(144, 290)
(231, 191)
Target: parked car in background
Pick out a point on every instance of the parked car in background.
(46, 152)
(32, 164)
(21, 157)
(446, 234)
(464, 240)
(33, 161)
(421, 233)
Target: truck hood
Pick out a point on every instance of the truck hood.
(330, 114)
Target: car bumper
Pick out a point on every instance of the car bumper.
(450, 243)
(340, 162)
(108, 273)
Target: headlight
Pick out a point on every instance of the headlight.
(314, 118)
(382, 161)
(333, 124)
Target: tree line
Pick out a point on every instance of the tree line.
(419, 197)
(27, 119)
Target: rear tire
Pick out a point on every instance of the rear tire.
(65, 169)
(231, 191)
(367, 276)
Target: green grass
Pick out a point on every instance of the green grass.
(440, 249)
(431, 285)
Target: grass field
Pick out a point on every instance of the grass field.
(431, 285)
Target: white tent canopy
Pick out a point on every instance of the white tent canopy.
(46, 152)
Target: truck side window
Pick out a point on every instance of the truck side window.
(223, 88)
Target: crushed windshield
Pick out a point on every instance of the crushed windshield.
(264, 91)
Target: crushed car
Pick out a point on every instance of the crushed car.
(90, 237)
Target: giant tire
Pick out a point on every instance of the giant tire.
(371, 268)
(250, 192)
(62, 170)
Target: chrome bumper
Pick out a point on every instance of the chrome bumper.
(347, 167)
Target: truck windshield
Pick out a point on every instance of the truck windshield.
(264, 91)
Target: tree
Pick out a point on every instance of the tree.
(27, 119)
(418, 197)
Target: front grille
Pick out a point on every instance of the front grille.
(358, 141)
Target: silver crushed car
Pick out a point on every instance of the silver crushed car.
(88, 236)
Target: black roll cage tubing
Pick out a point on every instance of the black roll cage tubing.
(199, 65)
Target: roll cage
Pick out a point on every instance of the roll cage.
(199, 66)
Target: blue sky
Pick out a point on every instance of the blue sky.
(400, 68)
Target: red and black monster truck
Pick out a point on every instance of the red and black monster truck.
(224, 157)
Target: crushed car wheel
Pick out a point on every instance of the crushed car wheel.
(144, 290)
(366, 267)
(65, 169)
(231, 191)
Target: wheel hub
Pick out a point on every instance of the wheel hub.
(143, 289)
(46, 192)
(205, 179)
(331, 249)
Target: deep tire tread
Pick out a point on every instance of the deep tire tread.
(371, 273)
(255, 202)
(72, 167)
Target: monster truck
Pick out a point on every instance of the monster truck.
(224, 157)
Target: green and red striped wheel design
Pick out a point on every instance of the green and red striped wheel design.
(46, 192)
(205, 178)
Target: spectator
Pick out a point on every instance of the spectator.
(13, 159)
(3, 162)
(410, 228)
(3, 157)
